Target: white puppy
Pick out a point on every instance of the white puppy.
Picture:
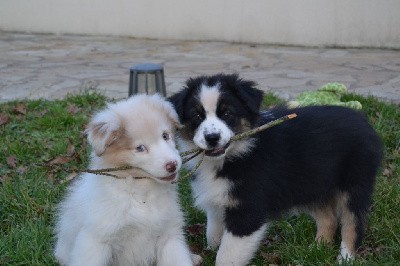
(129, 221)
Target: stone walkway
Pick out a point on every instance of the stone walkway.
(50, 66)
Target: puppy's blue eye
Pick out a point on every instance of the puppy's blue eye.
(141, 148)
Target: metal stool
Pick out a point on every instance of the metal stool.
(147, 78)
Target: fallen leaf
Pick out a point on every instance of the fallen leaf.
(196, 229)
(19, 117)
(70, 148)
(387, 172)
(73, 109)
(4, 119)
(20, 109)
(364, 251)
(22, 170)
(380, 249)
(4, 178)
(12, 161)
(268, 241)
(271, 258)
(50, 176)
(70, 177)
(59, 160)
(43, 112)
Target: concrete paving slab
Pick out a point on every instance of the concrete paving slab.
(50, 66)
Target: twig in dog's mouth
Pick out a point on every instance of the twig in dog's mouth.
(217, 151)
(195, 167)
(220, 151)
(191, 153)
(185, 160)
(244, 135)
(105, 171)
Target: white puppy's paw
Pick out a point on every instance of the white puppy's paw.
(196, 259)
(213, 241)
(212, 246)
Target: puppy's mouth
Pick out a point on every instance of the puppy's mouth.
(169, 178)
(216, 151)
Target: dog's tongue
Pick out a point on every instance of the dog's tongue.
(168, 178)
(215, 152)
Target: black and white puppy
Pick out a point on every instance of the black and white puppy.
(323, 163)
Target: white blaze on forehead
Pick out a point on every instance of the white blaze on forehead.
(212, 124)
(209, 98)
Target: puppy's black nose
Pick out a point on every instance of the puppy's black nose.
(212, 139)
(171, 166)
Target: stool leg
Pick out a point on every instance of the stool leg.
(158, 82)
(147, 83)
(163, 88)
(130, 91)
(135, 83)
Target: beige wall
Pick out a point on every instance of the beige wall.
(354, 23)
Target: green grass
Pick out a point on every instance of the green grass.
(29, 194)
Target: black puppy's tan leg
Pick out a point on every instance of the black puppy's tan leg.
(348, 231)
(327, 222)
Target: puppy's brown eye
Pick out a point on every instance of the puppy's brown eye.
(141, 148)
(227, 114)
(165, 136)
(196, 116)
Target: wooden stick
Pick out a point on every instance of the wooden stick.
(262, 128)
(195, 167)
(245, 134)
(105, 171)
(195, 152)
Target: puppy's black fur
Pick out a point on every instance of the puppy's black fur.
(323, 162)
(306, 161)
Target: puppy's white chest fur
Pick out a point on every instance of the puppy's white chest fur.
(210, 190)
(130, 216)
(149, 205)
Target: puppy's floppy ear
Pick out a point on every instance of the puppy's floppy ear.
(247, 92)
(172, 115)
(178, 101)
(252, 96)
(103, 130)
